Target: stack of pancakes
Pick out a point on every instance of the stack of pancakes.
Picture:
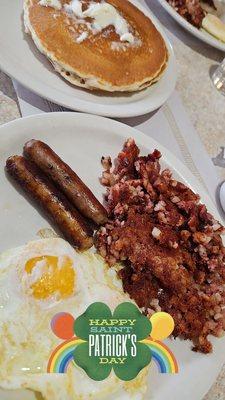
(100, 60)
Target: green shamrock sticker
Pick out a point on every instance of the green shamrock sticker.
(112, 341)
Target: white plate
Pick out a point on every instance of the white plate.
(21, 60)
(200, 34)
(81, 140)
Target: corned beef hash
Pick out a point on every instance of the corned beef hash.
(170, 246)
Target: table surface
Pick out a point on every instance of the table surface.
(204, 105)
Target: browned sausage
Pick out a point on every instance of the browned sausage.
(66, 180)
(65, 216)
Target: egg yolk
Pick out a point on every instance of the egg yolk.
(53, 278)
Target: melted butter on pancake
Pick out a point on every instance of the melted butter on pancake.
(51, 3)
(102, 15)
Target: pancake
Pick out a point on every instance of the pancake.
(100, 59)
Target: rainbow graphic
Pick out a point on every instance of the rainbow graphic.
(162, 326)
(62, 356)
(162, 356)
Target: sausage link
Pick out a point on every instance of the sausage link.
(66, 217)
(66, 180)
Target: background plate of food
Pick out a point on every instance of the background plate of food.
(153, 207)
(204, 19)
(111, 58)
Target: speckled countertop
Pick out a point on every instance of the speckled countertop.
(205, 106)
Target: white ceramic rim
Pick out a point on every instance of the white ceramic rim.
(140, 107)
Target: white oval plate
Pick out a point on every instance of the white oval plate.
(200, 34)
(81, 140)
(21, 60)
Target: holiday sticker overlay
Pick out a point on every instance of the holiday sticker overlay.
(124, 341)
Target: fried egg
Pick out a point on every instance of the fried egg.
(37, 281)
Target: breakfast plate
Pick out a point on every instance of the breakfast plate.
(199, 33)
(82, 140)
(21, 60)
